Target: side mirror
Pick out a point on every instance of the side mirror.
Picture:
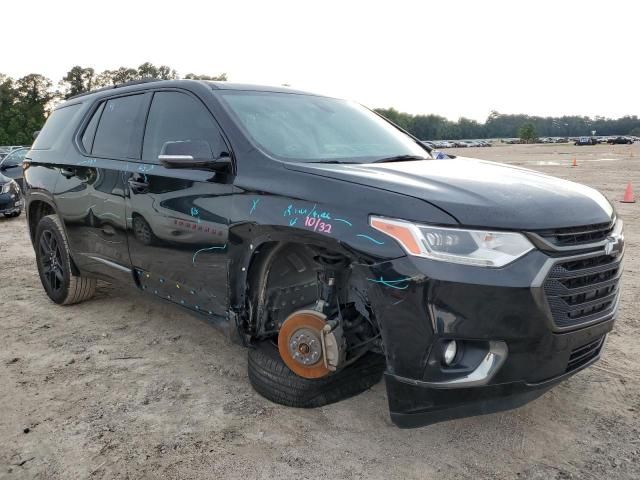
(35, 134)
(192, 154)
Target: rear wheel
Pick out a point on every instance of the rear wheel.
(54, 265)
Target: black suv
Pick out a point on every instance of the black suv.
(328, 241)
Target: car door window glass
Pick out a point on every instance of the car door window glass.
(175, 116)
(60, 119)
(90, 132)
(119, 131)
(14, 158)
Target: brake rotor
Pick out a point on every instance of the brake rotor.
(300, 343)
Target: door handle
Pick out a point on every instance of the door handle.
(65, 172)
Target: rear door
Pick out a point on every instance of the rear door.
(178, 218)
(90, 193)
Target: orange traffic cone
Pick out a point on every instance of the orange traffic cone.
(575, 163)
(628, 194)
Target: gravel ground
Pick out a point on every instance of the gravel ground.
(123, 387)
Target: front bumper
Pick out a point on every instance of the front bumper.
(480, 308)
(10, 203)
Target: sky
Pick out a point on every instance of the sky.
(452, 58)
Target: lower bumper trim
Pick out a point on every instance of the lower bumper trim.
(418, 404)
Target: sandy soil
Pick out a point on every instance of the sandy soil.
(123, 387)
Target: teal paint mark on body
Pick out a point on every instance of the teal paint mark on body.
(392, 283)
(377, 242)
(193, 259)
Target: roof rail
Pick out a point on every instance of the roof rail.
(117, 85)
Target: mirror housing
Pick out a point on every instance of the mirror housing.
(192, 154)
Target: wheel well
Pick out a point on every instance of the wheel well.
(37, 210)
(283, 277)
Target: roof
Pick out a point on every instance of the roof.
(255, 88)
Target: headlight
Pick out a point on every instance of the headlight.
(6, 188)
(468, 247)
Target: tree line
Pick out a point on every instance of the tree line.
(499, 125)
(26, 102)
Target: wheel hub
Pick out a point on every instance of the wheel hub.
(300, 343)
(305, 346)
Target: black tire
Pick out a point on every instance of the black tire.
(54, 265)
(272, 379)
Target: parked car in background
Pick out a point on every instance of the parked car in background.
(586, 141)
(11, 165)
(620, 141)
(11, 201)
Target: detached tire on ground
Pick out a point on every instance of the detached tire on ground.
(54, 265)
(272, 379)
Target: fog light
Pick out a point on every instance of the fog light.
(450, 350)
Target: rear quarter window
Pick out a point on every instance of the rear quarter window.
(58, 122)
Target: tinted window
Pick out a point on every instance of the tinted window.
(176, 116)
(55, 125)
(90, 132)
(120, 128)
(311, 128)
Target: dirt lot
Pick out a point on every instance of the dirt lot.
(123, 387)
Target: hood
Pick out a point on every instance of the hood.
(479, 193)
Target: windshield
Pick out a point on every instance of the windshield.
(15, 158)
(307, 128)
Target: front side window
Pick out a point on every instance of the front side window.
(177, 117)
(119, 132)
(314, 129)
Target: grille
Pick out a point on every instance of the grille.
(6, 202)
(575, 236)
(582, 355)
(583, 291)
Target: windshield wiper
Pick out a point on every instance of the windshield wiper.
(400, 158)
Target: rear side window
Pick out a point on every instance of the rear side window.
(55, 125)
(119, 131)
(175, 116)
(90, 132)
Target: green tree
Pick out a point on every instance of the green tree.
(216, 78)
(77, 80)
(527, 132)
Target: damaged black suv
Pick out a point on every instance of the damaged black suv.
(329, 241)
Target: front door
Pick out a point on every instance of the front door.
(177, 219)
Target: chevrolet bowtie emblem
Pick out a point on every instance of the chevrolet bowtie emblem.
(610, 245)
